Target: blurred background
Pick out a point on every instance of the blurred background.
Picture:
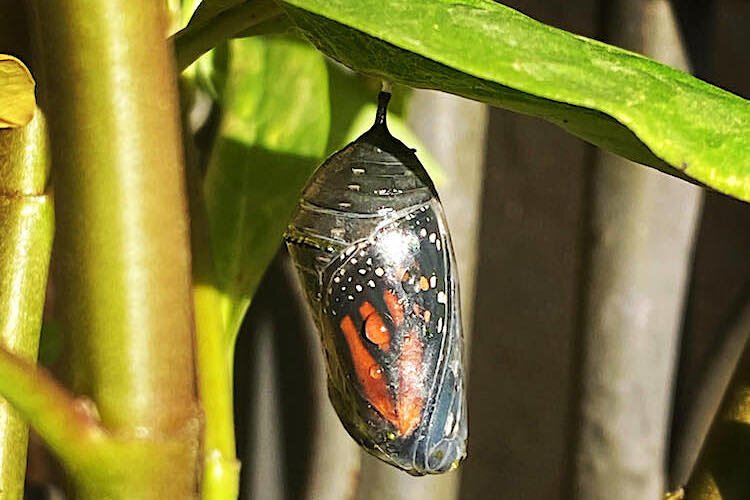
(605, 303)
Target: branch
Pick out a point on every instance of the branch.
(63, 422)
(195, 40)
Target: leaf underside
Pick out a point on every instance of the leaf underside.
(618, 100)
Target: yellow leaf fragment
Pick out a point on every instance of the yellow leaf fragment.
(678, 494)
(17, 102)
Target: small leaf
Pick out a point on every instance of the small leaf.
(274, 133)
(483, 50)
(17, 102)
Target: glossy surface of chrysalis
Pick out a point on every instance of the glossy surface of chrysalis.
(371, 246)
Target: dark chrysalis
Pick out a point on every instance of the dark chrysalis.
(371, 246)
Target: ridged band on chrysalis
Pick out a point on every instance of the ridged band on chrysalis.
(371, 246)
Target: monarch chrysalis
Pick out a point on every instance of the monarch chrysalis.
(371, 246)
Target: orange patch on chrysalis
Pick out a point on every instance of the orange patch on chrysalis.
(369, 372)
(424, 284)
(406, 413)
(375, 328)
(394, 307)
(411, 385)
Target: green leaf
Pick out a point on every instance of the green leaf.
(209, 9)
(482, 50)
(17, 102)
(274, 133)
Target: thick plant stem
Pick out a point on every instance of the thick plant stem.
(721, 472)
(26, 226)
(123, 263)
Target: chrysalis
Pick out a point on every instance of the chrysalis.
(371, 246)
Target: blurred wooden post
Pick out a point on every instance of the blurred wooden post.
(264, 465)
(643, 226)
(454, 130)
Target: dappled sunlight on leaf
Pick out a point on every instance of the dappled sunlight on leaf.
(274, 133)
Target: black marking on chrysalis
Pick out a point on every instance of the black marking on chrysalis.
(372, 249)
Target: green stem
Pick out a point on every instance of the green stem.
(195, 40)
(26, 228)
(101, 465)
(65, 424)
(122, 249)
(221, 469)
